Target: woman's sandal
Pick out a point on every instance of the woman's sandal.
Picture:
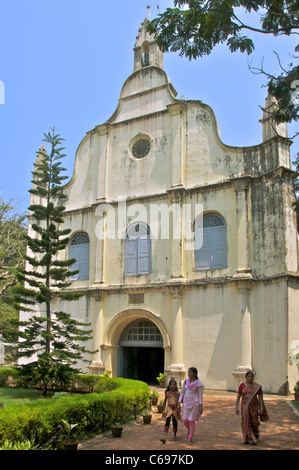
(163, 440)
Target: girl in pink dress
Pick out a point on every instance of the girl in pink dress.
(192, 398)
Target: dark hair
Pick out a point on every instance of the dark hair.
(194, 370)
(249, 372)
(172, 380)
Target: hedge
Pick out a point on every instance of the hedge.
(39, 421)
(7, 376)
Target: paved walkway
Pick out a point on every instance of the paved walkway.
(220, 429)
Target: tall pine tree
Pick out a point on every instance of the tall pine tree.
(54, 341)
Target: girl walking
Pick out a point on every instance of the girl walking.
(192, 398)
(171, 409)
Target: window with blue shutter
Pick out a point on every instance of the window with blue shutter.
(131, 256)
(212, 254)
(79, 249)
(138, 250)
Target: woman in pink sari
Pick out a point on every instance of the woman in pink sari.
(192, 397)
(252, 406)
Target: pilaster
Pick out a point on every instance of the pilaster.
(96, 366)
(176, 369)
(176, 111)
(241, 186)
(244, 333)
(176, 235)
(103, 135)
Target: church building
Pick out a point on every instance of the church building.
(187, 247)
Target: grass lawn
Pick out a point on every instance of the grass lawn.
(18, 396)
(296, 404)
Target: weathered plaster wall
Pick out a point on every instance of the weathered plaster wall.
(269, 333)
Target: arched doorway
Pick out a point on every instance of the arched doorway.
(140, 352)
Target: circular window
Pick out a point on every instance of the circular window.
(141, 148)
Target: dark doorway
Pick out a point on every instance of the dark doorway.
(141, 363)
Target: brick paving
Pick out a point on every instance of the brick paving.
(219, 429)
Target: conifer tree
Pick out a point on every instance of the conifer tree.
(53, 340)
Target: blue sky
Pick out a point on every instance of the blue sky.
(63, 63)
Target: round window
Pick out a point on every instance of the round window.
(141, 148)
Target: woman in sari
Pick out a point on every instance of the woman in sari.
(192, 398)
(252, 406)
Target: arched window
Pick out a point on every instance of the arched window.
(212, 253)
(145, 54)
(138, 250)
(79, 249)
(141, 333)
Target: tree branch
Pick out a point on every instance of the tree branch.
(258, 30)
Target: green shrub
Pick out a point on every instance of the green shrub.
(20, 445)
(91, 383)
(38, 422)
(8, 375)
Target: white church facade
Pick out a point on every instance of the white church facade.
(187, 247)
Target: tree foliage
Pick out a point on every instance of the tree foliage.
(53, 338)
(12, 243)
(196, 26)
(13, 229)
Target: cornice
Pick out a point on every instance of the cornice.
(181, 286)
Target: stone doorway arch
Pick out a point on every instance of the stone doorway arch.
(142, 355)
(140, 351)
